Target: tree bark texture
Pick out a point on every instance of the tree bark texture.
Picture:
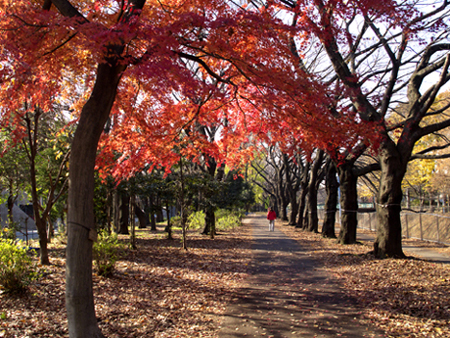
(292, 186)
(349, 203)
(388, 242)
(124, 214)
(331, 187)
(79, 293)
(141, 215)
(301, 208)
(302, 197)
(313, 220)
(210, 221)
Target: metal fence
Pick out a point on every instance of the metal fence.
(425, 226)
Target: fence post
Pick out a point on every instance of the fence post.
(421, 232)
(407, 227)
(437, 225)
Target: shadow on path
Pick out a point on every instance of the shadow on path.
(288, 295)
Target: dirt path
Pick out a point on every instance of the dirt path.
(288, 295)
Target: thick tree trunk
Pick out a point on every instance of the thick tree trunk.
(349, 203)
(210, 222)
(306, 218)
(141, 216)
(284, 204)
(41, 227)
(81, 228)
(294, 212)
(389, 227)
(332, 186)
(206, 228)
(301, 208)
(292, 186)
(159, 211)
(124, 214)
(302, 198)
(313, 220)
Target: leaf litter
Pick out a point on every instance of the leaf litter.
(162, 291)
(159, 290)
(403, 297)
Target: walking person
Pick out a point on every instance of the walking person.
(271, 215)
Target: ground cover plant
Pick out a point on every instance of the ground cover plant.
(403, 297)
(16, 267)
(159, 290)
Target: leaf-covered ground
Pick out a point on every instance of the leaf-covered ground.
(405, 298)
(162, 291)
(158, 290)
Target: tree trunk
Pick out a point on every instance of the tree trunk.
(169, 225)
(284, 204)
(39, 219)
(313, 220)
(141, 216)
(301, 208)
(332, 186)
(159, 211)
(349, 203)
(79, 292)
(10, 203)
(116, 210)
(50, 230)
(152, 214)
(210, 219)
(306, 217)
(302, 198)
(389, 227)
(184, 215)
(206, 228)
(124, 214)
(292, 186)
(294, 212)
(41, 227)
(132, 222)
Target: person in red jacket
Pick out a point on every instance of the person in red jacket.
(271, 215)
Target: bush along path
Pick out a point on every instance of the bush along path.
(289, 294)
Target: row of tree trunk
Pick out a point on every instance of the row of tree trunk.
(295, 180)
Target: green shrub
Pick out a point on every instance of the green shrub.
(226, 219)
(16, 267)
(106, 253)
(175, 222)
(9, 232)
(196, 220)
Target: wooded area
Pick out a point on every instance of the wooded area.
(116, 110)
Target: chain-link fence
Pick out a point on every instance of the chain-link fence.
(419, 225)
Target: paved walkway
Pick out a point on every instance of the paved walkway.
(288, 295)
(420, 252)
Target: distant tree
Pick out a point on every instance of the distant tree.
(48, 155)
(14, 173)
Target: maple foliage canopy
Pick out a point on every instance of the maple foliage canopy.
(186, 64)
